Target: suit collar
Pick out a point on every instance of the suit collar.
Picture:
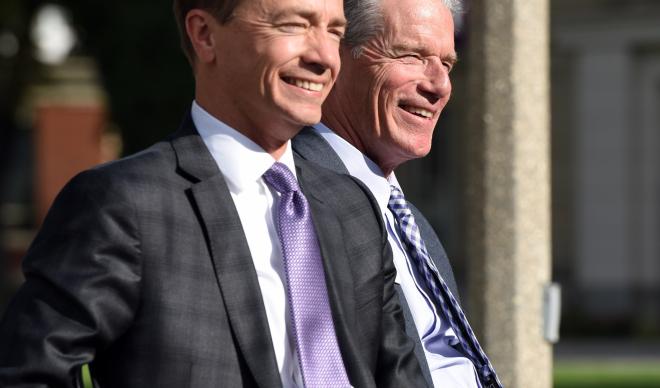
(360, 166)
(311, 146)
(193, 158)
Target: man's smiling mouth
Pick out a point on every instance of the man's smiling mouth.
(304, 84)
(421, 112)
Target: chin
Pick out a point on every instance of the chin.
(305, 116)
(420, 151)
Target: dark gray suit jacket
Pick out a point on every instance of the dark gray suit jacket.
(313, 147)
(142, 269)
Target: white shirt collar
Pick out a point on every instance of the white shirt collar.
(360, 166)
(241, 161)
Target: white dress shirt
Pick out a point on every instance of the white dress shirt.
(242, 163)
(448, 367)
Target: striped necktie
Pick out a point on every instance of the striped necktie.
(441, 294)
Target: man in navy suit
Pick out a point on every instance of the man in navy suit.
(396, 60)
(172, 267)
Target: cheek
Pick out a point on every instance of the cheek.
(395, 79)
(382, 87)
(395, 83)
(279, 52)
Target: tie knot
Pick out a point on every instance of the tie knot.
(397, 200)
(395, 193)
(281, 178)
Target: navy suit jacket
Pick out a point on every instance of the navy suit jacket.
(310, 145)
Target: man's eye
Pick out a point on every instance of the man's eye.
(293, 27)
(411, 58)
(339, 33)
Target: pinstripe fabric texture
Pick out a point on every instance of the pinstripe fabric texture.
(443, 296)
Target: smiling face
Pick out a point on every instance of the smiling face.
(267, 71)
(393, 94)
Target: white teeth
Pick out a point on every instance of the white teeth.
(313, 86)
(419, 111)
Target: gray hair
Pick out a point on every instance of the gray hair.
(365, 20)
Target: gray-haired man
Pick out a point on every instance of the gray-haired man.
(396, 60)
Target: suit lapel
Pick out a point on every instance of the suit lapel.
(230, 254)
(338, 272)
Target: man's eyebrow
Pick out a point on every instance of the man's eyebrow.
(305, 13)
(451, 58)
(293, 11)
(403, 47)
(338, 22)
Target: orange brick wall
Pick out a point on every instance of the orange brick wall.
(67, 141)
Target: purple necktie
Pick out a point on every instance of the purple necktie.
(314, 332)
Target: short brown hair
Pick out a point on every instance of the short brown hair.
(221, 9)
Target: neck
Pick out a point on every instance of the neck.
(266, 139)
(339, 121)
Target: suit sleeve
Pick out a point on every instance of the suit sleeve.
(82, 286)
(397, 364)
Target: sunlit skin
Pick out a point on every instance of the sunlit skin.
(381, 99)
(267, 71)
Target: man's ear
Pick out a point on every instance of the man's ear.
(199, 27)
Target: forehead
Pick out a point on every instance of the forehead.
(422, 24)
(274, 8)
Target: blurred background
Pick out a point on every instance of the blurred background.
(84, 82)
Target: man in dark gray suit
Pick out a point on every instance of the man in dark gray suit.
(396, 59)
(211, 259)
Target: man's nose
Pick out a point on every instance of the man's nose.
(436, 84)
(322, 52)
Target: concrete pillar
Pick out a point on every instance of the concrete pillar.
(508, 186)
